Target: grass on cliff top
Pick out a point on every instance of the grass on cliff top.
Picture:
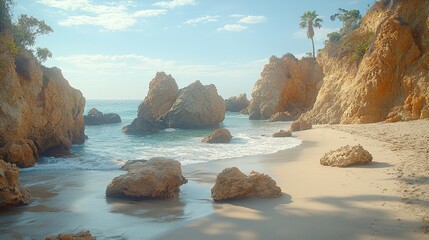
(352, 46)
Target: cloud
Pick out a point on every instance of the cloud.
(252, 19)
(205, 19)
(237, 15)
(174, 3)
(233, 28)
(109, 16)
(319, 34)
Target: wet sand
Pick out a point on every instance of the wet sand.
(363, 202)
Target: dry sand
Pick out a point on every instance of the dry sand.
(387, 199)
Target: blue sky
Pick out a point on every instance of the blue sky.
(112, 49)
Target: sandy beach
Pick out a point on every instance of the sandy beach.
(387, 199)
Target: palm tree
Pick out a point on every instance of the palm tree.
(310, 20)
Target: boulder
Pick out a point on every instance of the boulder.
(158, 178)
(282, 134)
(231, 183)
(379, 72)
(221, 135)
(286, 84)
(264, 186)
(236, 104)
(282, 117)
(197, 106)
(300, 125)
(21, 152)
(96, 117)
(11, 191)
(37, 104)
(346, 156)
(70, 236)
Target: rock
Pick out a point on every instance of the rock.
(390, 77)
(286, 84)
(346, 156)
(37, 104)
(69, 236)
(236, 104)
(21, 152)
(264, 186)
(131, 164)
(282, 117)
(221, 135)
(158, 178)
(231, 183)
(197, 106)
(11, 191)
(282, 134)
(96, 117)
(300, 125)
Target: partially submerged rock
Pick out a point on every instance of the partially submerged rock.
(346, 156)
(221, 135)
(158, 178)
(11, 191)
(236, 104)
(70, 236)
(131, 164)
(300, 125)
(96, 117)
(231, 183)
(282, 134)
(196, 106)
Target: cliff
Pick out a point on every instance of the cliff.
(40, 113)
(286, 85)
(379, 72)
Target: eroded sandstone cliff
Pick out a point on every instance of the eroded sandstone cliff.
(286, 85)
(380, 72)
(40, 113)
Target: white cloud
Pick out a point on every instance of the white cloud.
(232, 28)
(205, 19)
(109, 16)
(174, 3)
(252, 19)
(237, 15)
(319, 34)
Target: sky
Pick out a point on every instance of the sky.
(113, 49)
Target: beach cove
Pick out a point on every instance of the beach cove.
(319, 202)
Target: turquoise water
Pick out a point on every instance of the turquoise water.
(108, 148)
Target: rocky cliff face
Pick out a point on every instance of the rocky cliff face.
(286, 85)
(382, 74)
(41, 114)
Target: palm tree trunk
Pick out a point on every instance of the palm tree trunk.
(314, 52)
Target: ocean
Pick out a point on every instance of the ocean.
(108, 148)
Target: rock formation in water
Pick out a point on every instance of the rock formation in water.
(231, 183)
(40, 113)
(282, 117)
(282, 134)
(380, 71)
(221, 135)
(96, 117)
(158, 178)
(236, 104)
(196, 106)
(11, 191)
(286, 85)
(346, 156)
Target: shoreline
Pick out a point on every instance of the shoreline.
(319, 202)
